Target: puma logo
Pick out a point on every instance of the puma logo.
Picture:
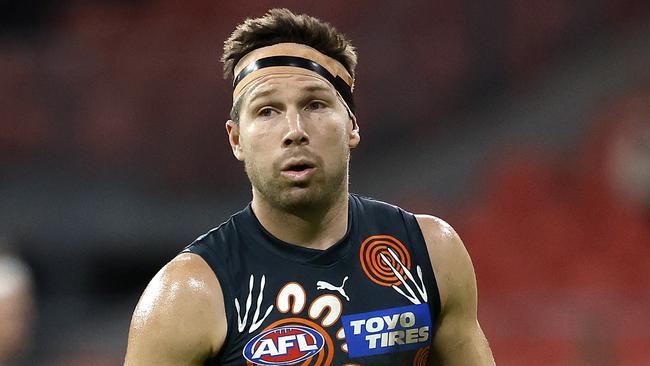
(322, 285)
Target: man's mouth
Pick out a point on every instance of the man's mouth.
(298, 171)
(298, 167)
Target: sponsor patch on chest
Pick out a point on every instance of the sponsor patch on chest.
(389, 330)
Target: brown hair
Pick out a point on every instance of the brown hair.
(281, 25)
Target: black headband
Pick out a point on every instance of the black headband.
(339, 84)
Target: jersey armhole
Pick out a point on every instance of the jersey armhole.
(221, 274)
(422, 251)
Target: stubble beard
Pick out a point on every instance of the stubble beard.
(320, 192)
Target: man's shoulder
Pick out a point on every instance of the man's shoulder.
(185, 278)
(218, 253)
(449, 258)
(441, 239)
(433, 228)
(181, 287)
(176, 314)
(184, 265)
(436, 229)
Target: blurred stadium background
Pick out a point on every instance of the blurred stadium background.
(525, 124)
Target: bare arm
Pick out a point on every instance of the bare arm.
(458, 339)
(180, 318)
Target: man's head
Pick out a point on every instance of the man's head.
(282, 26)
(293, 122)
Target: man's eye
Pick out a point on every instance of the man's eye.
(265, 112)
(315, 105)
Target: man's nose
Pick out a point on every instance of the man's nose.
(296, 132)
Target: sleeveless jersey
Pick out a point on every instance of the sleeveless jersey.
(370, 299)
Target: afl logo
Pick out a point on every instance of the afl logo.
(284, 345)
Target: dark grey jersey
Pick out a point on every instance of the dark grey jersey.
(370, 299)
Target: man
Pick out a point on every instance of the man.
(307, 273)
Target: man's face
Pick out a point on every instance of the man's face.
(294, 137)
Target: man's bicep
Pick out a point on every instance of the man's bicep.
(460, 342)
(152, 341)
(176, 321)
(458, 338)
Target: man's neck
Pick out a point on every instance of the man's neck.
(317, 228)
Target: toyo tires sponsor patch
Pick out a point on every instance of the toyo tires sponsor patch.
(389, 330)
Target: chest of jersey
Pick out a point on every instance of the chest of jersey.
(370, 300)
(286, 314)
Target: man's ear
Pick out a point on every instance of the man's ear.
(353, 134)
(232, 129)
